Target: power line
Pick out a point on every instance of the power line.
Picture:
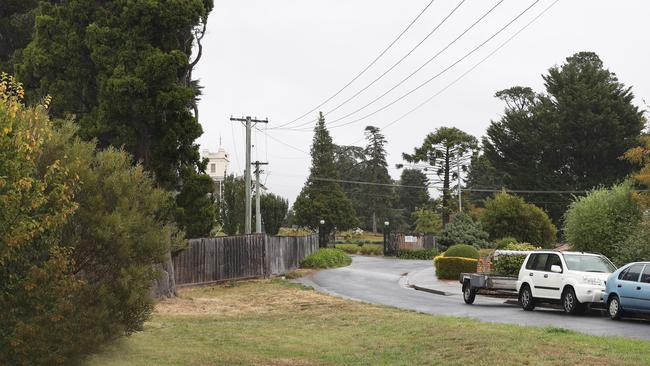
(366, 68)
(438, 74)
(402, 59)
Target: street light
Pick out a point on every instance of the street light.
(322, 222)
(322, 236)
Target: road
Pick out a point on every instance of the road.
(382, 281)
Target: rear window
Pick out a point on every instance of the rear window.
(588, 263)
(633, 273)
(537, 262)
(645, 277)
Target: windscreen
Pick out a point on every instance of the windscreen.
(588, 263)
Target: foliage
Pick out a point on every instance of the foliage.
(376, 200)
(427, 221)
(463, 230)
(197, 212)
(274, 209)
(601, 221)
(640, 156)
(363, 249)
(231, 208)
(481, 174)
(569, 138)
(503, 242)
(326, 258)
(70, 296)
(508, 215)
(462, 251)
(442, 151)
(126, 77)
(409, 196)
(16, 24)
(510, 264)
(636, 246)
(322, 198)
(406, 253)
(450, 268)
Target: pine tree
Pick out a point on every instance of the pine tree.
(377, 200)
(322, 197)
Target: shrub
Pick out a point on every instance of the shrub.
(463, 230)
(506, 215)
(503, 242)
(509, 264)
(462, 251)
(601, 221)
(636, 247)
(326, 258)
(450, 268)
(417, 253)
(427, 221)
(365, 249)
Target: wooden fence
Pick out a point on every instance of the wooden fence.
(235, 257)
(396, 241)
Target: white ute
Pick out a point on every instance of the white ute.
(573, 279)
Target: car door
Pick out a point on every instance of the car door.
(627, 286)
(551, 282)
(536, 271)
(643, 298)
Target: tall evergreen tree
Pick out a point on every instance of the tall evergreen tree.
(16, 25)
(414, 193)
(569, 138)
(123, 70)
(443, 150)
(231, 205)
(322, 197)
(377, 200)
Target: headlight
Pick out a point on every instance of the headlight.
(592, 281)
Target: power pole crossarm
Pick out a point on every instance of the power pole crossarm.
(248, 122)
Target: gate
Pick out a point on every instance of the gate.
(393, 242)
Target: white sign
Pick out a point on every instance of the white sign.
(410, 239)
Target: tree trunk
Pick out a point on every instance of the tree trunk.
(374, 222)
(446, 196)
(165, 286)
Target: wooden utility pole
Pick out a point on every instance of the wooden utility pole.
(258, 212)
(248, 123)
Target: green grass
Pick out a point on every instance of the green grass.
(326, 258)
(272, 322)
(365, 249)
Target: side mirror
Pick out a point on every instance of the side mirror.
(555, 268)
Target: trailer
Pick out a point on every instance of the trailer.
(486, 283)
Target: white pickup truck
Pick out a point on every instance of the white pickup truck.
(573, 279)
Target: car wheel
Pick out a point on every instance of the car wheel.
(526, 299)
(570, 302)
(614, 308)
(469, 294)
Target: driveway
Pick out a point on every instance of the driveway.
(383, 281)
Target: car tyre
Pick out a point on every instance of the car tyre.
(526, 299)
(614, 307)
(469, 294)
(570, 302)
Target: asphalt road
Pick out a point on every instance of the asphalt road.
(382, 281)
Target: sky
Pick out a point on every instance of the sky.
(279, 59)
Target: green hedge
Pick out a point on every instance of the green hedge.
(450, 268)
(417, 253)
(463, 251)
(366, 249)
(510, 264)
(326, 258)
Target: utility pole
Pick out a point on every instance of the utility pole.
(258, 213)
(460, 202)
(249, 123)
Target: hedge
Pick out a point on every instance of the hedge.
(450, 268)
(326, 258)
(365, 249)
(417, 253)
(463, 251)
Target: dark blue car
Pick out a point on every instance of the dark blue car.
(628, 290)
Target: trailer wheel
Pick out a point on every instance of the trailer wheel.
(469, 294)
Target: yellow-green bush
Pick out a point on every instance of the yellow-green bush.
(450, 268)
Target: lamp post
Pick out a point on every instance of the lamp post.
(387, 250)
(322, 236)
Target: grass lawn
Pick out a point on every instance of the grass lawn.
(273, 322)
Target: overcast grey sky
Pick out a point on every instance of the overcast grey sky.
(281, 58)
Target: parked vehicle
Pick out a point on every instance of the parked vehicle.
(573, 279)
(628, 290)
(489, 283)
